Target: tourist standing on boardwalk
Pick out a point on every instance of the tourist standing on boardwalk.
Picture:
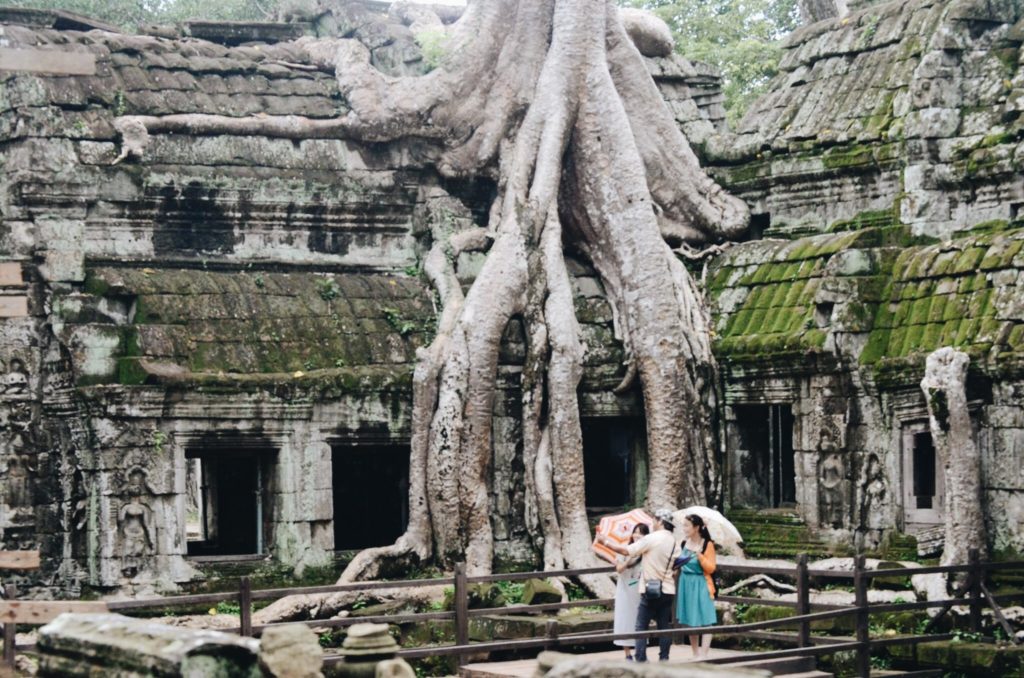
(627, 592)
(657, 583)
(695, 605)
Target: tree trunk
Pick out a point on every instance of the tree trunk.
(553, 99)
(945, 391)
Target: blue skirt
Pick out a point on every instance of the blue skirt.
(694, 606)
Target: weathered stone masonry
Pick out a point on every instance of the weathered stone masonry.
(256, 302)
(887, 156)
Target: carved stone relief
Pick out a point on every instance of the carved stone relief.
(135, 523)
(874, 494)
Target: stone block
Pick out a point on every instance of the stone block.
(291, 651)
(1003, 459)
(63, 266)
(105, 644)
(322, 535)
(10, 274)
(851, 262)
(316, 505)
(1008, 532)
(1005, 416)
(13, 307)
(932, 123)
(539, 591)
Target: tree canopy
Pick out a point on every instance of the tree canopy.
(742, 38)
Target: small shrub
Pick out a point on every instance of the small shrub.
(327, 288)
(227, 607)
(434, 46)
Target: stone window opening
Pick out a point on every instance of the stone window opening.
(767, 460)
(924, 470)
(370, 485)
(923, 480)
(226, 502)
(823, 314)
(613, 462)
(759, 223)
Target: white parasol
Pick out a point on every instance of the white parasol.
(723, 532)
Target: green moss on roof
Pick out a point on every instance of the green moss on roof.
(919, 298)
(240, 322)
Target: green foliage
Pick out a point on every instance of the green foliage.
(158, 440)
(742, 38)
(331, 638)
(961, 636)
(880, 662)
(437, 665)
(225, 607)
(512, 590)
(576, 592)
(327, 288)
(120, 105)
(130, 14)
(405, 325)
(434, 46)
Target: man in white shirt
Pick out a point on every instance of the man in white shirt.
(658, 550)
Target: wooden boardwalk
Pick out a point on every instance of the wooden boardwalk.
(526, 668)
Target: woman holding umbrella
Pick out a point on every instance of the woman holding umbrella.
(695, 605)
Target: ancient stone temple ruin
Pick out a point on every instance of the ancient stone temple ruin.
(207, 351)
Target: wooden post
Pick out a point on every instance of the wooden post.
(461, 609)
(245, 605)
(975, 580)
(10, 630)
(803, 599)
(860, 588)
(551, 633)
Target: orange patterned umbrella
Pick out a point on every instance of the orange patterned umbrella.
(618, 529)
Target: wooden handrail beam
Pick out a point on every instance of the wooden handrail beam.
(45, 611)
(19, 560)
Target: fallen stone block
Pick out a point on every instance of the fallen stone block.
(111, 644)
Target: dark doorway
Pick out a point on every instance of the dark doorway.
(371, 494)
(924, 471)
(226, 502)
(766, 439)
(610, 449)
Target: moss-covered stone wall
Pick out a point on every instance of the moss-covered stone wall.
(910, 108)
(837, 327)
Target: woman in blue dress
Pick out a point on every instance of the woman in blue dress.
(695, 605)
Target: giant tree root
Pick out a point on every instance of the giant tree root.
(323, 606)
(552, 99)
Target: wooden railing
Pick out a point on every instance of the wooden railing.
(973, 593)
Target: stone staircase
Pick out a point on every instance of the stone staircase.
(776, 533)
